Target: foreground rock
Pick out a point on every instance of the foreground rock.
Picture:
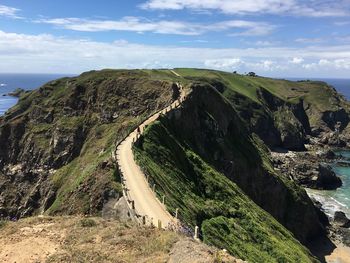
(327, 179)
(341, 220)
(17, 92)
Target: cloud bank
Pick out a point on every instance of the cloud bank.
(311, 8)
(50, 54)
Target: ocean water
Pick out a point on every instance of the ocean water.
(9, 82)
(339, 199)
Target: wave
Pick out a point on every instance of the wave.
(329, 204)
(3, 84)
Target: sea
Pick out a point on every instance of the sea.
(336, 200)
(332, 200)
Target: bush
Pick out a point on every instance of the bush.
(2, 223)
(88, 222)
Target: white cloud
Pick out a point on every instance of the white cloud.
(338, 64)
(342, 63)
(341, 23)
(312, 8)
(49, 54)
(296, 60)
(137, 24)
(224, 64)
(8, 11)
(324, 62)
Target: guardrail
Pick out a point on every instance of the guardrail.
(180, 224)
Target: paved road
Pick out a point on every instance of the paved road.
(146, 202)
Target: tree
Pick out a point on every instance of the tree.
(252, 74)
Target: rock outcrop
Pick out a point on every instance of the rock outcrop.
(327, 179)
(341, 220)
(56, 140)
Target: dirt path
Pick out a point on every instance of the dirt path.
(146, 202)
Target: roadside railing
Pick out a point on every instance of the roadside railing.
(179, 224)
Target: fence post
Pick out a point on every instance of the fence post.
(154, 187)
(159, 224)
(176, 213)
(133, 205)
(144, 220)
(196, 233)
(163, 201)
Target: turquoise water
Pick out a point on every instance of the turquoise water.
(336, 199)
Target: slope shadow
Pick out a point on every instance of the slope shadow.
(321, 247)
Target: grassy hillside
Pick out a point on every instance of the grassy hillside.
(312, 107)
(201, 158)
(56, 146)
(61, 137)
(316, 93)
(204, 196)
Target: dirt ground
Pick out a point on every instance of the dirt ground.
(79, 239)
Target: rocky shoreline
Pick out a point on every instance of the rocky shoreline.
(312, 169)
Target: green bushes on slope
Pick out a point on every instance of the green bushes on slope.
(205, 197)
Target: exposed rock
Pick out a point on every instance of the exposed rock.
(327, 179)
(54, 141)
(341, 220)
(332, 118)
(190, 251)
(219, 123)
(328, 154)
(306, 170)
(17, 92)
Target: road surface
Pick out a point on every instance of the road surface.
(145, 200)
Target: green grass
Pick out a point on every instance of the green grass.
(125, 93)
(205, 197)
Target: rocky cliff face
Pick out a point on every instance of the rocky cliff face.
(56, 142)
(282, 113)
(216, 132)
(203, 159)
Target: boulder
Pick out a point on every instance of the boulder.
(341, 220)
(327, 179)
(329, 154)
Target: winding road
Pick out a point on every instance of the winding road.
(137, 188)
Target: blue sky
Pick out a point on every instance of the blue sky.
(278, 38)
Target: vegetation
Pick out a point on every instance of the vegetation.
(72, 125)
(205, 197)
(208, 162)
(67, 239)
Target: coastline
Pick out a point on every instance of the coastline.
(329, 204)
(341, 254)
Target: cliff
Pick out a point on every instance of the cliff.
(210, 157)
(56, 143)
(202, 158)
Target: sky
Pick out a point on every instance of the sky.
(276, 38)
